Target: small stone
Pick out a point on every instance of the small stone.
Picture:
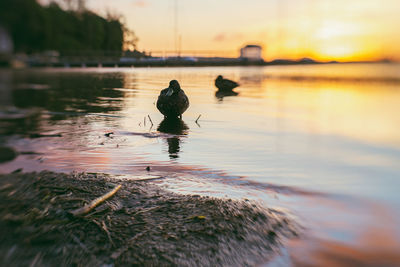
(17, 170)
(108, 134)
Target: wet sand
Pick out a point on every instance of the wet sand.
(141, 224)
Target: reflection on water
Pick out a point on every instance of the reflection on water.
(73, 92)
(62, 96)
(177, 127)
(328, 131)
(221, 94)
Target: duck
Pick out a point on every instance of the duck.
(172, 101)
(225, 84)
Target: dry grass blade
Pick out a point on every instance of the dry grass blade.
(85, 209)
(151, 121)
(198, 118)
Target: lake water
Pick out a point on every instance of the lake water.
(319, 142)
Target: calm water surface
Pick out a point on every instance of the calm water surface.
(319, 142)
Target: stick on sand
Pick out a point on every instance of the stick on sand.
(88, 207)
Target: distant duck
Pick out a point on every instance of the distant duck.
(172, 101)
(225, 84)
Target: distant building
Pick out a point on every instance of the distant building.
(251, 52)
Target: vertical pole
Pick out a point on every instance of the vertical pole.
(176, 25)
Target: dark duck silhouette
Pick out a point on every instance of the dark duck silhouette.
(225, 84)
(172, 101)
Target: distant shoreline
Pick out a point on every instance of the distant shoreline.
(115, 61)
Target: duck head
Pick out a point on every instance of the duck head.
(173, 87)
(219, 77)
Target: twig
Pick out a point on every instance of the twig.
(5, 186)
(88, 207)
(118, 252)
(144, 121)
(76, 239)
(97, 211)
(103, 226)
(150, 120)
(198, 118)
(146, 210)
(35, 260)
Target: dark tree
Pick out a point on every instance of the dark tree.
(36, 28)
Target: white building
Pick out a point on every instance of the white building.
(251, 52)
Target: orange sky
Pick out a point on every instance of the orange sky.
(320, 29)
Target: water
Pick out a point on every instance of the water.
(319, 142)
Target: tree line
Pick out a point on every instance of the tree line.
(36, 28)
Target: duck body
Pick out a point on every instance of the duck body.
(172, 101)
(225, 84)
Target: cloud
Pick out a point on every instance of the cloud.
(140, 3)
(220, 37)
(223, 37)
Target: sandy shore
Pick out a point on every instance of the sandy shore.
(140, 225)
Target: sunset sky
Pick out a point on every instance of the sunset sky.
(320, 29)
